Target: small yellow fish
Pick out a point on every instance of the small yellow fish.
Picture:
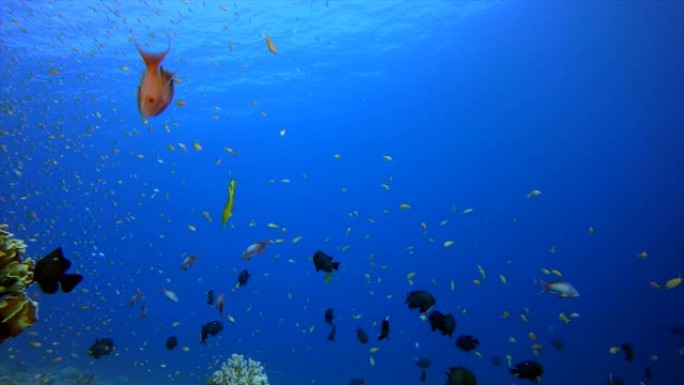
(192, 228)
(564, 318)
(477, 282)
(409, 277)
(524, 319)
(228, 208)
(482, 272)
(545, 271)
(296, 239)
(532, 336)
(655, 285)
(271, 46)
(503, 279)
(506, 314)
(404, 206)
(534, 193)
(385, 186)
(374, 349)
(448, 243)
(614, 350)
(672, 283)
(643, 255)
(197, 146)
(556, 273)
(387, 158)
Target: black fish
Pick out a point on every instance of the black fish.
(460, 375)
(648, 374)
(243, 277)
(51, 270)
(331, 335)
(423, 376)
(210, 297)
(211, 328)
(423, 363)
(420, 299)
(444, 323)
(356, 381)
(676, 330)
(329, 316)
(629, 351)
(527, 370)
(171, 342)
(384, 329)
(361, 336)
(101, 347)
(558, 344)
(615, 380)
(496, 361)
(467, 343)
(324, 262)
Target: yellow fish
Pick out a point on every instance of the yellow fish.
(269, 43)
(674, 282)
(228, 208)
(155, 91)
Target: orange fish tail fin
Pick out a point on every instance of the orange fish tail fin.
(262, 247)
(544, 286)
(152, 60)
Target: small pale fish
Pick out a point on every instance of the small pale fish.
(404, 206)
(374, 349)
(503, 279)
(672, 283)
(534, 193)
(655, 285)
(553, 249)
(296, 239)
(385, 186)
(614, 350)
(643, 255)
(560, 288)
(387, 158)
(524, 319)
(170, 295)
(564, 318)
(532, 336)
(482, 271)
(477, 282)
(409, 277)
(453, 285)
(556, 273)
(467, 211)
(448, 243)
(155, 91)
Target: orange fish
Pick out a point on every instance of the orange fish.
(256, 247)
(188, 261)
(271, 46)
(155, 91)
(220, 302)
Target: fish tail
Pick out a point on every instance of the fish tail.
(544, 286)
(152, 60)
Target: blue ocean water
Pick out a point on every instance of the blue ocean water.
(461, 109)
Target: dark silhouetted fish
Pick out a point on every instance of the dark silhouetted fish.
(51, 271)
(420, 299)
(356, 381)
(444, 323)
(467, 343)
(460, 375)
(329, 316)
(527, 370)
(210, 329)
(423, 363)
(496, 361)
(101, 347)
(324, 262)
(558, 344)
(649, 374)
(171, 342)
(423, 376)
(612, 380)
(243, 277)
(629, 351)
(361, 336)
(676, 330)
(331, 335)
(384, 329)
(210, 297)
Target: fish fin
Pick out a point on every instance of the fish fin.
(152, 60)
(48, 286)
(69, 282)
(261, 248)
(335, 265)
(544, 286)
(328, 278)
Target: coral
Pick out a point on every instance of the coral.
(239, 371)
(17, 311)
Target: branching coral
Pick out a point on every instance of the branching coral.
(239, 371)
(17, 311)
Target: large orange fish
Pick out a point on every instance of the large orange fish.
(155, 91)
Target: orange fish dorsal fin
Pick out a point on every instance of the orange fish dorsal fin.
(152, 60)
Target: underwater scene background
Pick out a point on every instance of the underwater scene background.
(468, 149)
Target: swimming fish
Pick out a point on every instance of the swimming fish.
(228, 208)
(460, 375)
(323, 261)
(155, 91)
(169, 294)
(50, 273)
(444, 323)
(561, 288)
(329, 316)
(527, 370)
(101, 347)
(188, 261)
(384, 329)
(420, 299)
(136, 297)
(171, 342)
(254, 248)
(210, 297)
(423, 363)
(269, 43)
(220, 303)
(361, 336)
(467, 343)
(243, 278)
(210, 329)
(628, 350)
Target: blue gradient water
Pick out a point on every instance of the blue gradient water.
(477, 103)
